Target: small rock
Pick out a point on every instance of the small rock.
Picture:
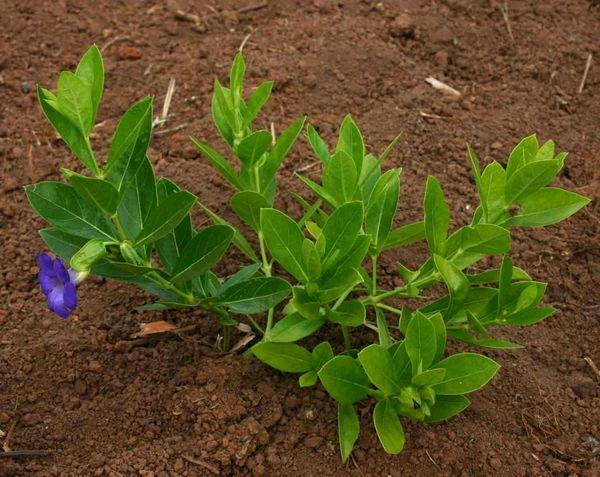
(496, 145)
(441, 35)
(128, 52)
(313, 442)
(25, 87)
(441, 59)
(584, 387)
(80, 387)
(496, 463)
(95, 366)
(403, 27)
(4, 418)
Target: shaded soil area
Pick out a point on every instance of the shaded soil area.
(175, 407)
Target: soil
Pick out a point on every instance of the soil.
(176, 407)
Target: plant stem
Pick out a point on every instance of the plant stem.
(226, 337)
(383, 306)
(374, 275)
(346, 334)
(266, 267)
(156, 278)
(255, 324)
(119, 227)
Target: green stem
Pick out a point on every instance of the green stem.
(383, 306)
(255, 324)
(266, 268)
(346, 334)
(117, 222)
(226, 337)
(156, 278)
(374, 274)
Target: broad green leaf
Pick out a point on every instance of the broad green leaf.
(340, 282)
(439, 325)
(247, 205)
(547, 206)
(257, 100)
(319, 190)
(529, 179)
(221, 117)
(504, 283)
(284, 240)
(91, 71)
(377, 363)
(446, 407)
(457, 283)
(405, 235)
(243, 274)
(348, 429)
(420, 343)
(236, 78)
(318, 145)
(402, 363)
(252, 147)
(311, 260)
(129, 145)
(75, 101)
(219, 163)
(353, 258)
(465, 373)
(351, 142)
(61, 207)
(437, 216)
(165, 217)
(224, 102)
(383, 331)
(349, 313)
(96, 192)
(344, 379)
(340, 231)
(493, 276)
(491, 192)
(202, 252)
(388, 427)
(292, 328)
(286, 357)
(524, 153)
(429, 377)
(530, 316)
(484, 342)
(139, 200)
(470, 244)
(369, 175)
(238, 239)
(321, 354)
(546, 151)
(278, 153)
(308, 306)
(61, 243)
(381, 210)
(256, 294)
(73, 137)
(340, 178)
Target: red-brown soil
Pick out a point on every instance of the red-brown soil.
(175, 407)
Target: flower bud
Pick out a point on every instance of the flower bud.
(88, 255)
(129, 254)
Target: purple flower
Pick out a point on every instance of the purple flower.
(58, 284)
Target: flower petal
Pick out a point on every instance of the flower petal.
(56, 302)
(45, 263)
(61, 271)
(70, 296)
(47, 282)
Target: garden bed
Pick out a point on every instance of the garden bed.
(108, 404)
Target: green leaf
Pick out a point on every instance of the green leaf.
(257, 100)
(420, 343)
(344, 379)
(529, 179)
(349, 313)
(129, 145)
(236, 78)
(292, 328)
(319, 190)
(247, 205)
(284, 240)
(340, 231)
(470, 244)
(96, 192)
(340, 282)
(238, 239)
(165, 217)
(446, 407)
(61, 243)
(437, 216)
(219, 163)
(381, 210)
(286, 357)
(389, 148)
(547, 206)
(75, 101)
(492, 276)
(311, 260)
(348, 429)
(484, 342)
(377, 363)
(440, 335)
(504, 283)
(256, 294)
(139, 200)
(318, 145)
(492, 191)
(73, 137)
(280, 150)
(457, 283)
(388, 427)
(369, 175)
(223, 100)
(405, 235)
(351, 142)
(243, 274)
(402, 363)
(524, 153)
(340, 178)
(465, 373)
(530, 316)
(60, 206)
(308, 306)
(202, 252)
(91, 71)
(429, 377)
(252, 147)
(221, 116)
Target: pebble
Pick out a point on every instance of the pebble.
(403, 26)
(127, 52)
(80, 387)
(25, 87)
(496, 463)
(313, 442)
(95, 366)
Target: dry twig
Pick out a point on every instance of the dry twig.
(589, 361)
(504, 10)
(442, 86)
(585, 74)
(160, 120)
(201, 463)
